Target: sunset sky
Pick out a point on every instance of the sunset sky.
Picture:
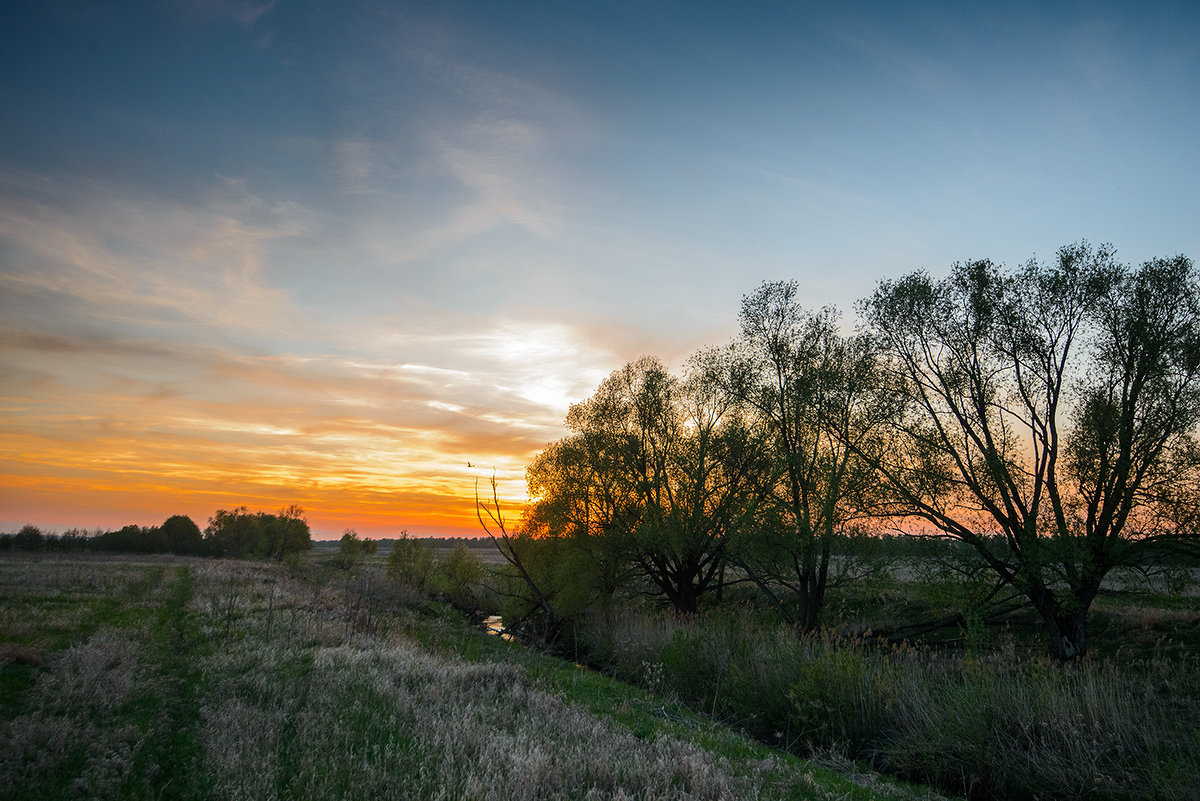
(354, 255)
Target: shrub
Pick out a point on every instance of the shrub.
(460, 576)
(411, 561)
(29, 538)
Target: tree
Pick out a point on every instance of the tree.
(133, 539)
(181, 535)
(350, 549)
(461, 574)
(286, 531)
(821, 399)
(411, 561)
(662, 470)
(241, 534)
(526, 596)
(29, 538)
(1051, 416)
(581, 502)
(234, 532)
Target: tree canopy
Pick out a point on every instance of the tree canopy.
(1055, 405)
(1046, 416)
(242, 534)
(663, 470)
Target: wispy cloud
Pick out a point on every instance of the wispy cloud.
(150, 359)
(87, 255)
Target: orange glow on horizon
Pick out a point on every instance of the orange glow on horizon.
(57, 504)
(180, 384)
(375, 478)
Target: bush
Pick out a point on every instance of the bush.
(29, 538)
(181, 535)
(461, 575)
(244, 535)
(350, 550)
(411, 561)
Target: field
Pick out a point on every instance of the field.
(171, 677)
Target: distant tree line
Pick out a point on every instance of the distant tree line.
(1045, 418)
(235, 532)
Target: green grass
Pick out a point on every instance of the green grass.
(986, 723)
(198, 679)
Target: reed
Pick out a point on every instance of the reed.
(996, 725)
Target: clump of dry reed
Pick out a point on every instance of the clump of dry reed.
(74, 702)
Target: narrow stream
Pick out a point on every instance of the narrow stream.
(494, 624)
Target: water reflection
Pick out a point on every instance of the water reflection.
(494, 624)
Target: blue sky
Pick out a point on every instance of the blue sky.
(328, 253)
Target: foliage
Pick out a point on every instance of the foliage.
(29, 538)
(821, 400)
(178, 534)
(239, 533)
(352, 548)
(661, 470)
(181, 535)
(1056, 406)
(411, 561)
(133, 539)
(994, 725)
(557, 574)
(460, 576)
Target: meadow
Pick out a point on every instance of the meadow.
(987, 721)
(180, 677)
(901, 680)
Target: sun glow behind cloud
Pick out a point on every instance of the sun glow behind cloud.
(330, 437)
(158, 384)
(328, 254)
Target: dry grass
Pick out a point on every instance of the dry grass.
(68, 728)
(228, 680)
(391, 719)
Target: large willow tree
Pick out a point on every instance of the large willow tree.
(1051, 416)
(654, 476)
(820, 401)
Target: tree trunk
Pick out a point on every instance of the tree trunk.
(1066, 629)
(687, 595)
(811, 598)
(809, 601)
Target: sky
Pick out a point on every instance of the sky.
(357, 256)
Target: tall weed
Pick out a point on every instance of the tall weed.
(994, 726)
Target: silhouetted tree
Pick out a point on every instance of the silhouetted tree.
(240, 534)
(822, 401)
(1055, 405)
(181, 535)
(663, 470)
(29, 538)
(287, 531)
(132, 539)
(412, 561)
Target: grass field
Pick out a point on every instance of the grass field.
(161, 677)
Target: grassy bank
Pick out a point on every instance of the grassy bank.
(184, 678)
(985, 723)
